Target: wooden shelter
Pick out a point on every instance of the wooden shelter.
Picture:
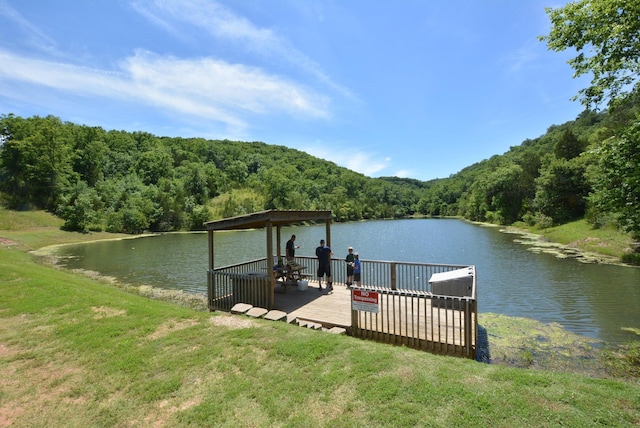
(432, 307)
(268, 220)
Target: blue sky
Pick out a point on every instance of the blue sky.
(410, 88)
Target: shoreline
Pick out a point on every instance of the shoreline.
(512, 342)
(537, 243)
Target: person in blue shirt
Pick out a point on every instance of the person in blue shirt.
(324, 253)
(356, 269)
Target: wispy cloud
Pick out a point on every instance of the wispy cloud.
(354, 159)
(403, 173)
(366, 163)
(206, 88)
(222, 23)
(520, 59)
(38, 37)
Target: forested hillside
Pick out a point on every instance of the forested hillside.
(133, 181)
(121, 181)
(548, 180)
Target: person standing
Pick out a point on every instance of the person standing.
(291, 248)
(349, 259)
(324, 253)
(357, 268)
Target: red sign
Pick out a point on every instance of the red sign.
(367, 301)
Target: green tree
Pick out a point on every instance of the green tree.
(79, 207)
(568, 146)
(609, 30)
(278, 187)
(237, 171)
(562, 190)
(38, 163)
(91, 151)
(605, 35)
(617, 181)
(154, 164)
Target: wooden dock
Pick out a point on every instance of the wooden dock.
(398, 304)
(415, 317)
(331, 309)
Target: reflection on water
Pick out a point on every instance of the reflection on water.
(592, 300)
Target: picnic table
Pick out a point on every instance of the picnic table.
(290, 274)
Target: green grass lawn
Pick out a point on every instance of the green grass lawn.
(76, 352)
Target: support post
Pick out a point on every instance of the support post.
(211, 279)
(269, 225)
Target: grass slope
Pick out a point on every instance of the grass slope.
(76, 352)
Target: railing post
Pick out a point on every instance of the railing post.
(210, 288)
(393, 275)
(354, 317)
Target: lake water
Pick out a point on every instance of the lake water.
(591, 300)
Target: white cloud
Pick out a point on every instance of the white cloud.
(403, 173)
(521, 59)
(355, 160)
(221, 22)
(365, 163)
(33, 32)
(206, 88)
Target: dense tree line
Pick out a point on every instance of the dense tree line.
(133, 181)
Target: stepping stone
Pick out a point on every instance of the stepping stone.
(276, 316)
(257, 312)
(240, 308)
(337, 330)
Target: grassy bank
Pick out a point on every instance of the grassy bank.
(606, 241)
(78, 352)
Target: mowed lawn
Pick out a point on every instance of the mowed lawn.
(77, 352)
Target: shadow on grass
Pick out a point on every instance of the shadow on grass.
(483, 353)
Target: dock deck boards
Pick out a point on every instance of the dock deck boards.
(444, 326)
(329, 309)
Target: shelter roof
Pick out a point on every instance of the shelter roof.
(262, 218)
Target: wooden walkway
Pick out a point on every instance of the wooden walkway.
(331, 309)
(415, 322)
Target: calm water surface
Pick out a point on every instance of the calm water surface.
(591, 300)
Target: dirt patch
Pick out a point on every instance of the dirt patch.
(232, 321)
(5, 241)
(104, 312)
(170, 326)
(27, 385)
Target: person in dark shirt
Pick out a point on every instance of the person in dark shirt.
(291, 248)
(324, 253)
(349, 259)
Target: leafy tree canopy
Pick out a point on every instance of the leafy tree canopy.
(606, 35)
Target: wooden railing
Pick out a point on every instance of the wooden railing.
(445, 325)
(408, 312)
(247, 282)
(387, 275)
